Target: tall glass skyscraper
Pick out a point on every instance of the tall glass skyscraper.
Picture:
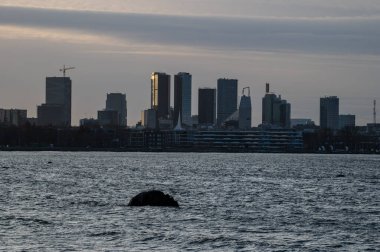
(118, 102)
(160, 94)
(182, 98)
(227, 99)
(329, 112)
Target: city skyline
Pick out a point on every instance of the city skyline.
(306, 50)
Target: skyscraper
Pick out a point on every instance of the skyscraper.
(118, 102)
(227, 99)
(160, 94)
(57, 108)
(329, 112)
(182, 98)
(275, 111)
(206, 106)
(245, 110)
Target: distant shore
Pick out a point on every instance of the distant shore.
(182, 150)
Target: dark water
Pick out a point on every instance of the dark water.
(229, 202)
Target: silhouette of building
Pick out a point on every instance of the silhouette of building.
(301, 122)
(160, 94)
(56, 111)
(88, 122)
(329, 112)
(148, 118)
(227, 99)
(118, 102)
(346, 121)
(13, 117)
(245, 111)
(108, 118)
(182, 98)
(275, 111)
(206, 106)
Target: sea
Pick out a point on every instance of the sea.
(78, 201)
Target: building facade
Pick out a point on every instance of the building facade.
(58, 91)
(160, 94)
(227, 99)
(346, 121)
(182, 98)
(58, 94)
(51, 115)
(13, 117)
(329, 112)
(206, 106)
(148, 119)
(275, 111)
(118, 102)
(245, 111)
(108, 118)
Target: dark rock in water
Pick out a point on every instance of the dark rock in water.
(50, 162)
(340, 175)
(153, 198)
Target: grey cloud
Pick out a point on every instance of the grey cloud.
(355, 35)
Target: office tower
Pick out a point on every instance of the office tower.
(245, 110)
(275, 111)
(160, 94)
(227, 99)
(346, 121)
(182, 98)
(56, 111)
(108, 118)
(13, 117)
(118, 102)
(148, 118)
(329, 112)
(206, 106)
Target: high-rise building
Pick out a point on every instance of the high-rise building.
(182, 98)
(275, 111)
(160, 94)
(118, 102)
(57, 108)
(329, 112)
(227, 99)
(206, 106)
(245, 111)
(346, 121)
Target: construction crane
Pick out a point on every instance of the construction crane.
(249, 91)
(64, 69)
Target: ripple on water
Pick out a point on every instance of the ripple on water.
(229, 202)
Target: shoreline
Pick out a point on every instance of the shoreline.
(167, 150)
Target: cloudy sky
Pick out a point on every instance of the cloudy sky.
(305, 49)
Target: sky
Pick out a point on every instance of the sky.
(304, 49)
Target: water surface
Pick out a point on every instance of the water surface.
(62, 201)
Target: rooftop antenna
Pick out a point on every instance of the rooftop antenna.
(267, 87)
(374, 111)
(64, 69)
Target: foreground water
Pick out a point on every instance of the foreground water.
(55, 201)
